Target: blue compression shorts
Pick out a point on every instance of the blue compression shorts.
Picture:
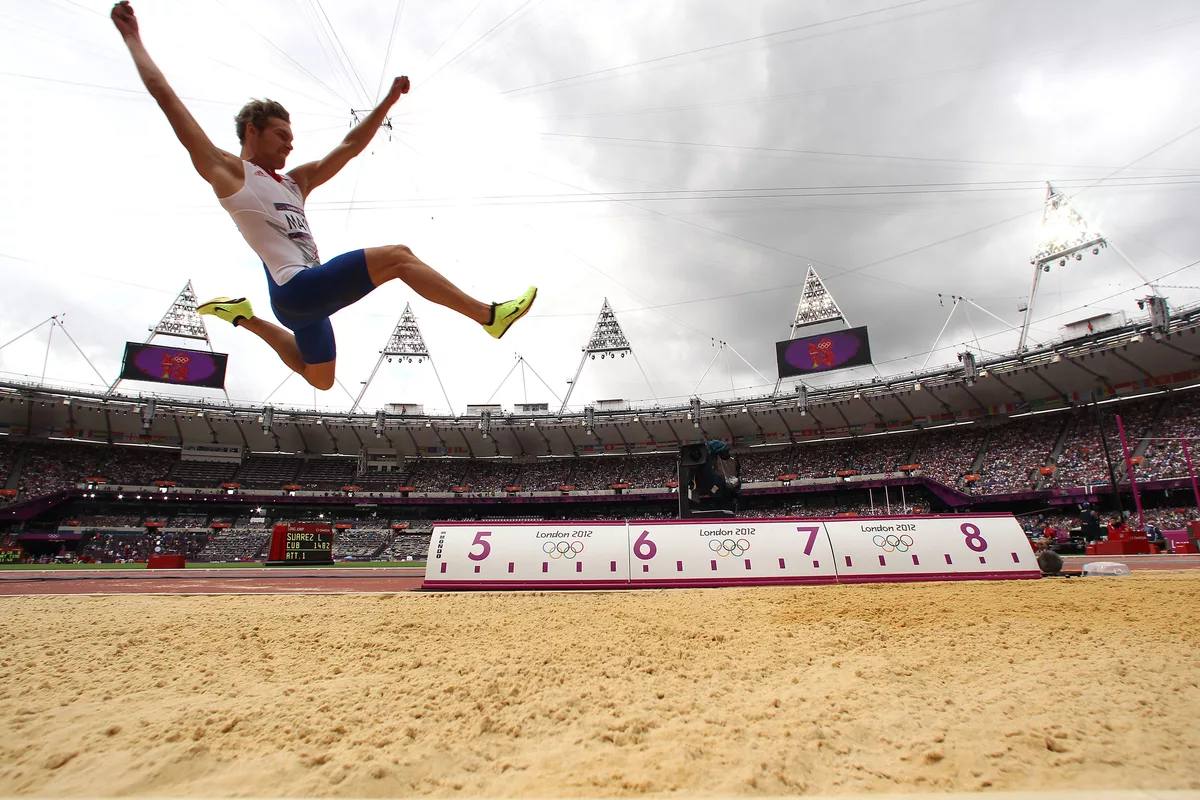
(305, 303)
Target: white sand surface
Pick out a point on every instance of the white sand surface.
(943, 687)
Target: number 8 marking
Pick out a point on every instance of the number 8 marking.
(974, 540)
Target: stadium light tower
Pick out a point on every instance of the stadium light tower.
(607, 341)
(816, 304)
(406, 345)
(1065, 235)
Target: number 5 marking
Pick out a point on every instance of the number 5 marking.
(812, 530)
(483, 543)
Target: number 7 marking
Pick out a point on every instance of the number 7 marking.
(812, 530)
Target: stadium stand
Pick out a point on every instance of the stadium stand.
(234, 544)
(1016, 451)
(268, 471)
(1008, 457)
(328, 473)
(202, 473)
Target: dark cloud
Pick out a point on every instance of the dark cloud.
(934, 122)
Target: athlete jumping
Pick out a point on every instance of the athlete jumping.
(268, 208)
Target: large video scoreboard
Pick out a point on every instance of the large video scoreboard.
(299, 544)
(151, 362)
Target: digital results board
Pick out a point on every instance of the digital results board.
(176, 365)
(823, 352)
(301, 544)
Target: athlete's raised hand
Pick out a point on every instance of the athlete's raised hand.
(399, 86)
(123, 17)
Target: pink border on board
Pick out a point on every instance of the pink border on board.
(524, 522)
(753, 520)
(705, 520)
(940, 576)
(682, 583)
(716, 583)
(531, 585)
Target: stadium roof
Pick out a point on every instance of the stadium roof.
(1125, 362)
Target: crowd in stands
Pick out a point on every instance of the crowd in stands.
(873, 455)
(1164, 456)
(1082, 460)
(588, 472)
(123, 548)
(188, 521)
(947, 455)
(234, 544)
(53, 467)
(359, 543)
(409, 545)
(1169, 519)
(134, 520)
(1044, 451)
(1061, 523)
(8, 453)
(1016, 452)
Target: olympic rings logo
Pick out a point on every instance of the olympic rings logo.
(562, 549)
(729, 547)
(891, 542)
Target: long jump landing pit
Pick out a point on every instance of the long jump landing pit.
(1055, 684)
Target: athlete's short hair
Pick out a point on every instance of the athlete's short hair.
(256, 113)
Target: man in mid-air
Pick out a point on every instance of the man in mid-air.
(268, 208)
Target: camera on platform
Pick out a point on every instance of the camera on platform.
(709, 480)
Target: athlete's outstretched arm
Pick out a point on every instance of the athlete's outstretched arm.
(311, 175)
(222, 170)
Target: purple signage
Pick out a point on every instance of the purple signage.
(149, 362)
(823, 352)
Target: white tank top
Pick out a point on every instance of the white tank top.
(270, 215)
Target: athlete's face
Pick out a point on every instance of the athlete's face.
(272, 144)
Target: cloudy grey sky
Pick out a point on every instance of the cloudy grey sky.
(687, 160)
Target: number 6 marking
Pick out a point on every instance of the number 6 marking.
(483, 543)
(812, 530)
(650, 547)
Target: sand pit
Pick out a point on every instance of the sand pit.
(1064, 684)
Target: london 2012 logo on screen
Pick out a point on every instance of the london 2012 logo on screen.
(823, 352)
(177, 365)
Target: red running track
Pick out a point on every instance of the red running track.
(310, 580)
(280, 580)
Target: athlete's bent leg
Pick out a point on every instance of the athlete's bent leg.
(280, 339)
(320, 376)
(283, 342)
(398, 262)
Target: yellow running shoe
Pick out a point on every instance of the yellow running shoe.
(505, 314)
(232, 310)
